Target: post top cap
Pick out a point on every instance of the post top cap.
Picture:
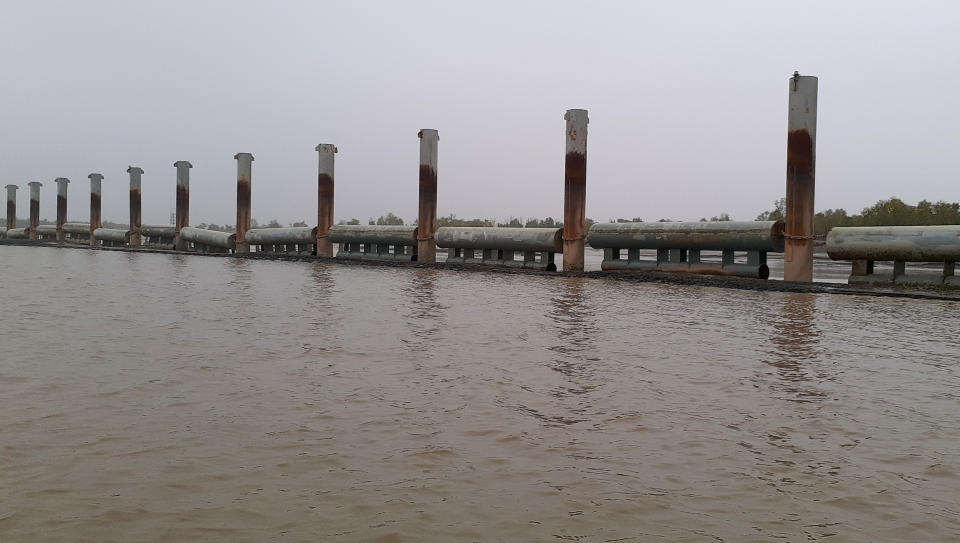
(574, 114)
(131, 169)
(97, 176)
(61, 180)
(798, 75)
(35, 184)
(429, 132)
(12, 187)
(182, 163)
(326, 148)
(243, 155)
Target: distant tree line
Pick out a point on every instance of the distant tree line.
(891, 212)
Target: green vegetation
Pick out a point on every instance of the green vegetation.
(892, 212)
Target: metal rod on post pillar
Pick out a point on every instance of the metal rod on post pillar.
(801, 162)
(325, 179)
(575, 190)
(62, 183)
(11, 207)
(183, 201)
(95, 180)
(427, 217)
(135, 217)
(244, 178)
(34, 208)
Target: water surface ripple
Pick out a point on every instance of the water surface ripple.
(148, 397)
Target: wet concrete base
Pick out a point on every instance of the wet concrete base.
(915, 291)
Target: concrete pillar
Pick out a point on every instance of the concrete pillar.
(244, 178)
(62, 183)
(34, 208)
(11, 207)
(95, 180)
(801, 162)
(325, 178)
(427, 217)
(135, 216)
(183, 201)
(575, 190)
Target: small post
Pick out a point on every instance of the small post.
(325, 179)
(11, 207)
(135, 217)
(62, 183)
(575, 190)
(95, 180)
(183, 201)
(244, 178)
(427, 217)
(34, 208)
(801, 162)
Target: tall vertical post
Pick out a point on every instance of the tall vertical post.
(34, 208)
(95, 180)
(62, 183)
(11, 207)
(801, 162)
(325, 178)
(575, 190)
(135, 216)
(427, 217)
(244, 178)
(183, 201)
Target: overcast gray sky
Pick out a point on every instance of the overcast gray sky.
(687, 101)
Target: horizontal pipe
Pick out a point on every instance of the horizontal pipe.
(298, 234)
(212, 238)
(112, 234)
(384, 235)
(507, 239)
(756, 271)
(155, 231)
(48, 229)
(76, 227)
(18, 233)
(906, 243)
(709, 236)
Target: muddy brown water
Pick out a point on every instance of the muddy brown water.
(151, 397)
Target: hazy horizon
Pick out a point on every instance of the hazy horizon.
(687, 104)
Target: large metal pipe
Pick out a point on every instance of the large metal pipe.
(34, 208)
(211, 238)
(95, 192)
(899, 243)
(183, 200)
(135, 217)
(506, 239)
(381, 235)
(11, 207)
(801, 163)
(427, 217)
(62, 183)
(114, 235)
(76, 228)
(709, 236)
(325, 187)
(575, 189)
(282, 236)
(244, 179)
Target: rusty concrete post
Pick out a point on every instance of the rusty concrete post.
(183, 201)
(34, 208)
(325, 179)
(801, 162)
(95, 180)
(62, 183)
(575, 190)
(135, 215)
(11, 207)
(244, 178)
(427, 217)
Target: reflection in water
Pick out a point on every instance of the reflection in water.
(425, 314)
(796, 342)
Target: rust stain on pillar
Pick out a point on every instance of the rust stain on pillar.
(325, 186)
(11, 207)
(62, 183)
(575, 190)
(427, 217)
(135, 211)
(95, 181)
(244, 179)
(34, 208)
(183, 201)
(801, 166)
